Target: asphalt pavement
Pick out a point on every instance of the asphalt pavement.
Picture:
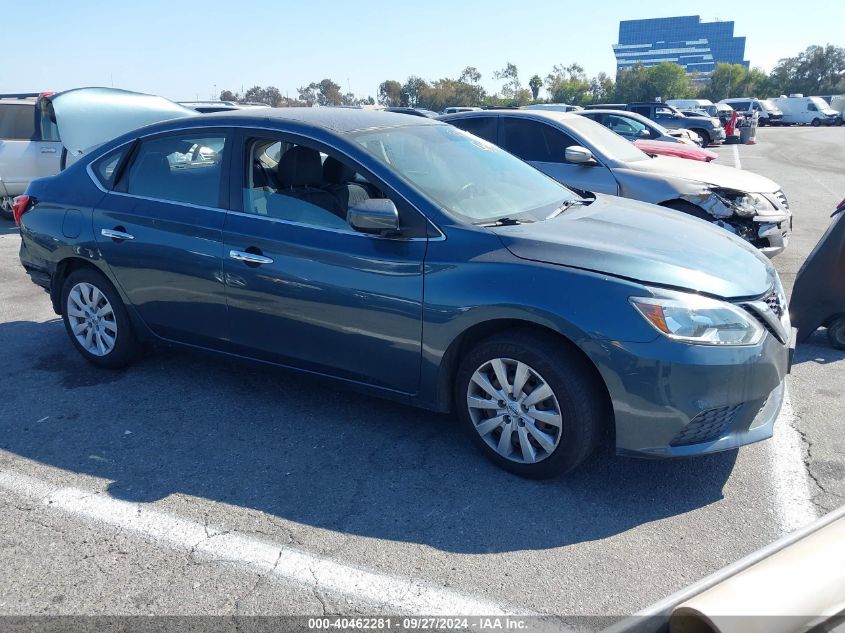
(187, 484)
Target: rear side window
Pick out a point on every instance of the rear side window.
(105, 168)
(17, 122)
(644, 110)
(534, 141)
(481, 126)
(178, 168)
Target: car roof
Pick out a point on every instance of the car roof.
(340, 120)
(554, 115)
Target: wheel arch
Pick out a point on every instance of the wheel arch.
(477, 332)
(63, 270)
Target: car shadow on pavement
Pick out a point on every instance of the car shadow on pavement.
(7, 227)
(307, 452)
(817, 350)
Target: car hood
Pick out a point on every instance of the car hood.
(707, 173)
(87, 117)
(680, 150)
(645, 243)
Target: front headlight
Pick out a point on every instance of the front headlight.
(700, 320)
(745, 205)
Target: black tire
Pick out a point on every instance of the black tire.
(6, 211)
(580, 395)
(836, 332)
(705, 136)
(816, 123)
(689, 208)
(126, 345)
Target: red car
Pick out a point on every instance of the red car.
(678, 150)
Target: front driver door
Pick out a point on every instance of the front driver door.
(544, 146)
(306, 290)
(160, 232)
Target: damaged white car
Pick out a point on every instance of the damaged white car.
(585, 155)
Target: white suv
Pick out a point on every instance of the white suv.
(29, 146)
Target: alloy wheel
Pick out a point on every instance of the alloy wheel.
(92, 319)
(514, 410)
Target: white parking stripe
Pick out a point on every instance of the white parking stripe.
(737, 163)
(396, 594)
(793, 491)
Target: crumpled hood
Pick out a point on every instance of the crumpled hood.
(87, 117)
(645, 243)
(707, 173)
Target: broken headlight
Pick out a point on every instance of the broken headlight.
(745, 205)
(699, 320)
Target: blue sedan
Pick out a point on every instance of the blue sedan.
(409, 259)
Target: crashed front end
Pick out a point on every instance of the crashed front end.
(762, 219)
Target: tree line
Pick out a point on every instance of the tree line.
(817, 70)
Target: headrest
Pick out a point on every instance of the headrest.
(336, 173)
(300, 167)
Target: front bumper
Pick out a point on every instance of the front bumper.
(719, 134)
(675, 400)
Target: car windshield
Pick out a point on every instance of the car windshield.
(605, 143)
(768, 105)
(470, 178)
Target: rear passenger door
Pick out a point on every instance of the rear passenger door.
(306, 290)
(544, 146)
(159, 228)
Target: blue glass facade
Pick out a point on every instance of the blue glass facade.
(697, 46)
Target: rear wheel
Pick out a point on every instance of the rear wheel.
(96, 320)
(836, 332)
(530, 404)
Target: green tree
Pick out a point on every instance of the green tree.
(535, 83)
(412, 89)
(228, 95)
(390, 93)
(818, 69)
(512, 86)
(601, 88)
(669, 81)
(632, 85)
(568, 84)
(470, 89)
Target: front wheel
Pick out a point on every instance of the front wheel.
(816, 123)
(836, 332)
(96, 320)
(530, 404)
(705, 137)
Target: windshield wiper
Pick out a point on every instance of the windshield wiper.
(568, 204)
(506, 221)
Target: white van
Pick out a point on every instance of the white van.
(768, 112)
(801, 110)
(719, 110)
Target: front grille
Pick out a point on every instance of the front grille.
(775, 304)
(781, 198)
(707, 426)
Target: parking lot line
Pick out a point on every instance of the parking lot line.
(397, 594)
(793, 491)
(737, 162)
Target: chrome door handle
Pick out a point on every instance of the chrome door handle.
(48, 150)
(116, 235)
(250, 258)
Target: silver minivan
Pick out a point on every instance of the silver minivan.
(29, 146)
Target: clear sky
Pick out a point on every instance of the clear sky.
(188, 49)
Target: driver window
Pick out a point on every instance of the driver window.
(298, 183)
(534, 141)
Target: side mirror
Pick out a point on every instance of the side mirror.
(578, 155)
(376, 215)
(644, 133)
